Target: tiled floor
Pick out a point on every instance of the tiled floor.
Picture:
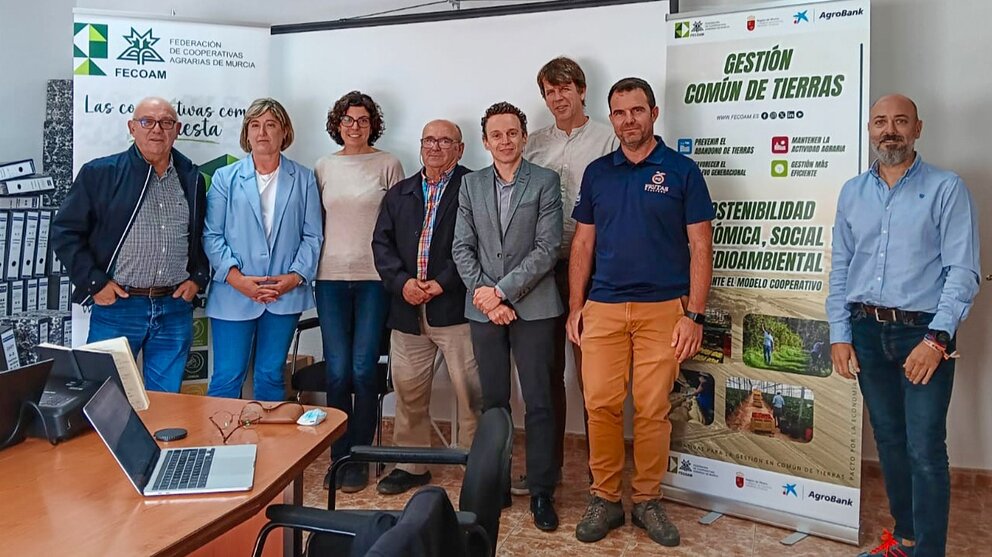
(971, 508)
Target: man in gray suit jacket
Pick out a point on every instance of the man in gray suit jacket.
(507, 237)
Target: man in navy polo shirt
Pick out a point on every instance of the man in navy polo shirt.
(644, 212)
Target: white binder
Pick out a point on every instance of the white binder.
(16, 169)
(31, 295)
(15, 239)
(41, 252)
(31, 219)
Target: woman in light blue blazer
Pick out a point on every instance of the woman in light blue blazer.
(262, 236)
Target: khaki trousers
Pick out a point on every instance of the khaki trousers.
(614, 335)
(413, 376)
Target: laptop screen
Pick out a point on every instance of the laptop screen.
(123, 432)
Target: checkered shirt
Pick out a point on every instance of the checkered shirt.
(156, 251)
(432, 198)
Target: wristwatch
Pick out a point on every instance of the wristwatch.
(697, 318)
(942, 338)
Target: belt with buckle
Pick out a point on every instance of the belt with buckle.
(889, 315)
(153, 292)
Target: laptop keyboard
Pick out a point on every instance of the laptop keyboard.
(184, 469)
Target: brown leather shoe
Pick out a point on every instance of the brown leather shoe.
(651, 516)
(600, 517)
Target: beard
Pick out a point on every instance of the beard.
(892, 155)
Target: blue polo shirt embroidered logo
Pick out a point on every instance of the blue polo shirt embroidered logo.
(656, 183)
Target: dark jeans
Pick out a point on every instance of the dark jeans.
(352, 317)
(161, 328)
(530, 344)
(910, 425)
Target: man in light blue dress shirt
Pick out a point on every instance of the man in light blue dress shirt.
(905, 273)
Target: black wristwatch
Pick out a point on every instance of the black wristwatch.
(942, 338)
(697, 318)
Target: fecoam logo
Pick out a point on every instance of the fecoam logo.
(847, 502)
(841, 13)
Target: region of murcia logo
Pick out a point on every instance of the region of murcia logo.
(656, 183)
(141, 50)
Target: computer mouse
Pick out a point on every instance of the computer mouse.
(312, 417)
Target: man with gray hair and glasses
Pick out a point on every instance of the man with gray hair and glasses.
(130, 234)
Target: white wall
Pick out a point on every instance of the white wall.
(35, 46)
(934, 52)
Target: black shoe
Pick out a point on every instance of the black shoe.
(600, 517)
(543, 509)
(399, 481)
(356, 478)
(337, 480)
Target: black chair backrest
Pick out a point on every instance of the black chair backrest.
(487, 473)
(428, 527)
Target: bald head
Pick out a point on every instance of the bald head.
(445, 126)
(154, 104)
(894, 126)
(443, 148)
(900, 101)
(155, 127)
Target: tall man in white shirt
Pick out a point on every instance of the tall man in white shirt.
(567, 147)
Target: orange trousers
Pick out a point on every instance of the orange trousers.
(614, 336)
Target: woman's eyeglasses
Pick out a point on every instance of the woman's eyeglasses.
(363, 122)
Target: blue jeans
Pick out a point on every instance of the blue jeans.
(910, 426)
(352, 318)
(270, 335)
(161, 327)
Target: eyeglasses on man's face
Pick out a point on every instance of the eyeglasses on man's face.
(150, 123)
(363, 122)
(442, 142)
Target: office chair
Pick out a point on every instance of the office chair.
(427, 526)
(313, 378)
(485, 487)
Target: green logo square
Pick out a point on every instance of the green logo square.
(682, 29)
(200, 332)
(89, 42)
(780, 168)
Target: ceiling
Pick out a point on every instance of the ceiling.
(277, 12)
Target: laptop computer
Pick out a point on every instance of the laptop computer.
(17, 386)
(153, 471)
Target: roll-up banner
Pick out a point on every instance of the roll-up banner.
(209, 72)
(772, 104)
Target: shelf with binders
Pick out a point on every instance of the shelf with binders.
(34, 289)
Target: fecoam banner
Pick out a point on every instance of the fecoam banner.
(772, 105)
(209, 72)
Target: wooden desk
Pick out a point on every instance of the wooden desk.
(73, 498)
